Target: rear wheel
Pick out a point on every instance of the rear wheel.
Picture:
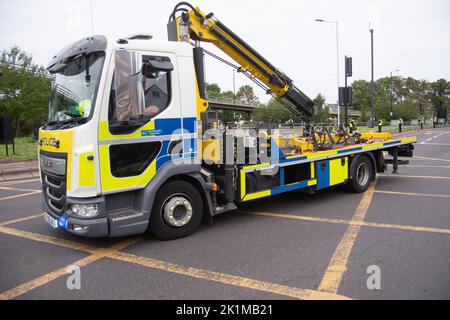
(177, 211)
(362, 173)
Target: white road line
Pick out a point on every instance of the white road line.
(434, 144)
(426, 158)
(434, 137)
(425, 166)
(21, 195)
(423, 142)
(12, 182)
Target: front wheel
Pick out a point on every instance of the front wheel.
(362, 173)
(177, 211)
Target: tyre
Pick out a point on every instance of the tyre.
(177, 211)
(362, 173)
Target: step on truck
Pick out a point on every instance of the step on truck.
(131, 143)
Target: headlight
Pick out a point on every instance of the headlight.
(85, 210)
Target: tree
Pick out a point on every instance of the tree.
(321, 110)
(228, 94)
(361, 97)
(407, 110)
(418, 92)
(246, 94)
(440, 93)
(213, 90)
(440, 97)
(227, 116)
(24, 90)
(407, 93)
(273, 112)
(383, 88)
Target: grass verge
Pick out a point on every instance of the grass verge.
(25, 150)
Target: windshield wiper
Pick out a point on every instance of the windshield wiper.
(50, 123)
(70, 121)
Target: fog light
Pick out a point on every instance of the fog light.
(78, 228)
(85, 210)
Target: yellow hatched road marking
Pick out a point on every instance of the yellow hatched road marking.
(10, 183)
(424, 166)
(338, 263)
(38, 282)
(113, 253)
(48, 239)
(413, 194)
(20, 219)
(427, 158)
(21, 195)
(405, 228)
(434, 144)
(227, 278)
(411, 176)
(296, 217)
(19, 189)
(97, 254)
(349, 222)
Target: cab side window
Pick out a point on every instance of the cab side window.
(156, 89)
(141, 90)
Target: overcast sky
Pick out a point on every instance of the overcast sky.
(410, 35)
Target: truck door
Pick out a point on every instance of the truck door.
(144, 112)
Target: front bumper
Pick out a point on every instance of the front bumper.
(89, 228)
(115, 223)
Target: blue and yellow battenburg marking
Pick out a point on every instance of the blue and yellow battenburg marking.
(163, 128)
(327, 168)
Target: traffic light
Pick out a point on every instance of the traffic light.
(348, 67)
(345, 96)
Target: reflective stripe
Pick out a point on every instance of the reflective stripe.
(256, 195)
(86, 170)
(328, 155)
(148, 139)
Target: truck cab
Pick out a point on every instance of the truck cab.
(118, 108)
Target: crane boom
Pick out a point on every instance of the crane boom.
(193, 24)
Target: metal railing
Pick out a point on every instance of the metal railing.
(231, 101)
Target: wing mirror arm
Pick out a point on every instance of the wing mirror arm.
(151, 67)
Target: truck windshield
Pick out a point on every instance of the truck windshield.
(74, 90)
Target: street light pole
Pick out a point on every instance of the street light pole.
(372, 85)
(392, 93)
(337, 71)
(92, 17)
(392, 109)
(337, 65)
(234, 86)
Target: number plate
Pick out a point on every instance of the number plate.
(50, 220)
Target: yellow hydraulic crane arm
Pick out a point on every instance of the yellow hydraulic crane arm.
(193, 24)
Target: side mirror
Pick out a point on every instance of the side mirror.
(57, 68)
(150, 67)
